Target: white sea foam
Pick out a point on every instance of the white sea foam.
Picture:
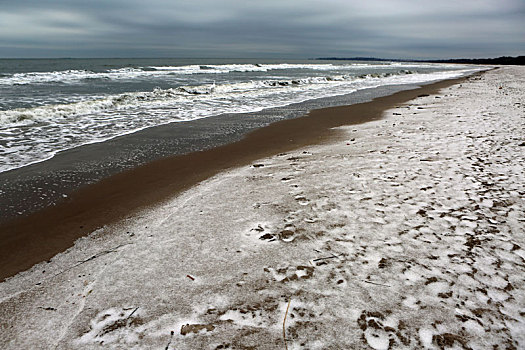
(36, 134)
(227, 68)
(71, 76)
(76, 76)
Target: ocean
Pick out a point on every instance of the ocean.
(52, 105)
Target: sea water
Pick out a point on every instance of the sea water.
(51, 105)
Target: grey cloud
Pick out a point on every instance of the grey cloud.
(235, 28)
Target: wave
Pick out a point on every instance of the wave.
(129, 73)
(165, 97)
(34, 134)
(69, 76)
(227, 68)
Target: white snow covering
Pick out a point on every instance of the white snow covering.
(404, 233)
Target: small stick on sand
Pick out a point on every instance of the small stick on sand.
(284, 324)
(377, 284)
(112, 250)
(131, 314)
(328, 257)
(169, 343)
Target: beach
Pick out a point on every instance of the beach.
(46, 206)
(395, 223)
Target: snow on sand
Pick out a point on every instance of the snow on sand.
(409, 233)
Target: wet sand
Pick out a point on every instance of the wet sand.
(39, 236)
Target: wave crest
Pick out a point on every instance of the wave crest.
(77, 76)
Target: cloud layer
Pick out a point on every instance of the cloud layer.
(270, 28)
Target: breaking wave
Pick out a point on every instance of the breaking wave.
(169, 97)
(129, 73)
(34, 134)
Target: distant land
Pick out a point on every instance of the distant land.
(504, 60)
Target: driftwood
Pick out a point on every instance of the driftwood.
(284, 324)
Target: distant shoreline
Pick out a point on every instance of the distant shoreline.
(503, 60)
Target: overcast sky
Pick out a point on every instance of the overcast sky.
(262, 28)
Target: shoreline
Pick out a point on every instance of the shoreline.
(34, 187)
(39, 236)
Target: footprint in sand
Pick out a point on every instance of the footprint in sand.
(302, 200)
(287, 235)
(287, 179)
(288, 274)
(110, 323)
(379, 332)
(257, 314)
(262, 233)
(268, 237)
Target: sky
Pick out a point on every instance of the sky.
(262, 28)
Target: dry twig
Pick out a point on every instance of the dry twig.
(377, 284)
(112, 250)
(131, 314)
(169, 343)
(284, 325)
(326, 258)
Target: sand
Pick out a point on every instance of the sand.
(403, 232)
(38, 237)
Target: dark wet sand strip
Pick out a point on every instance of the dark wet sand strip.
(39, 236)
